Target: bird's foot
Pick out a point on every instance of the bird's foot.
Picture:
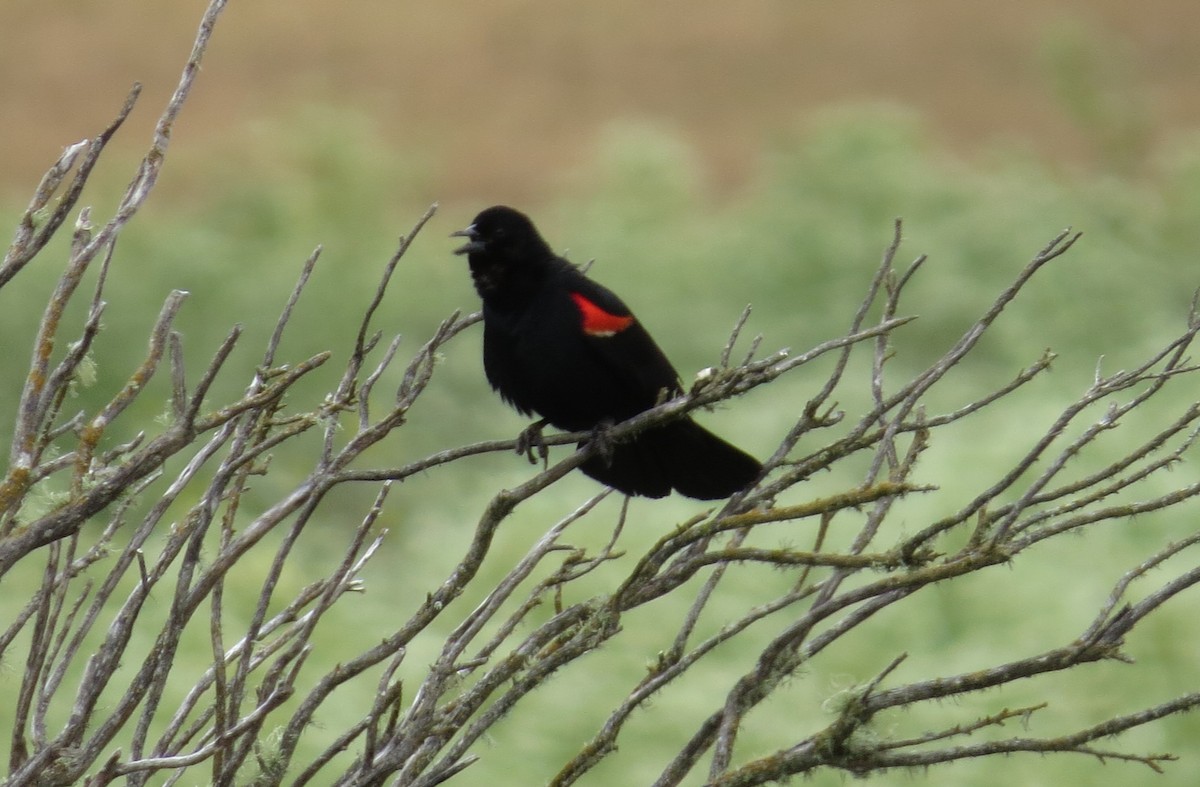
(603, 442)
(531, 443)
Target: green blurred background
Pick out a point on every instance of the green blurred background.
(707, 155)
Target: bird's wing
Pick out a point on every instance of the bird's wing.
(621, 342)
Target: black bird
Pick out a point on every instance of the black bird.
(560, 345)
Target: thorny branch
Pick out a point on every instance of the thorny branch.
(136, 547)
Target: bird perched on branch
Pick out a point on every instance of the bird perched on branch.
(558, 344)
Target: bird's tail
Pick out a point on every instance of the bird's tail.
(701, 465)
(681, 455)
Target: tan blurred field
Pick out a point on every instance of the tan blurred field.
(506, 98)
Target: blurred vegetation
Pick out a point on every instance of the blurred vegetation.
(799, 242)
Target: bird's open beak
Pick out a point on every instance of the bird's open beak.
(473, 243)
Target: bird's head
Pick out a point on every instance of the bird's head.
(500, 231)
(503, 247)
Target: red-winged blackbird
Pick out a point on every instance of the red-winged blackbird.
(560, 345)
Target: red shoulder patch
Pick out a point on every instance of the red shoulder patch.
(596, 321)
